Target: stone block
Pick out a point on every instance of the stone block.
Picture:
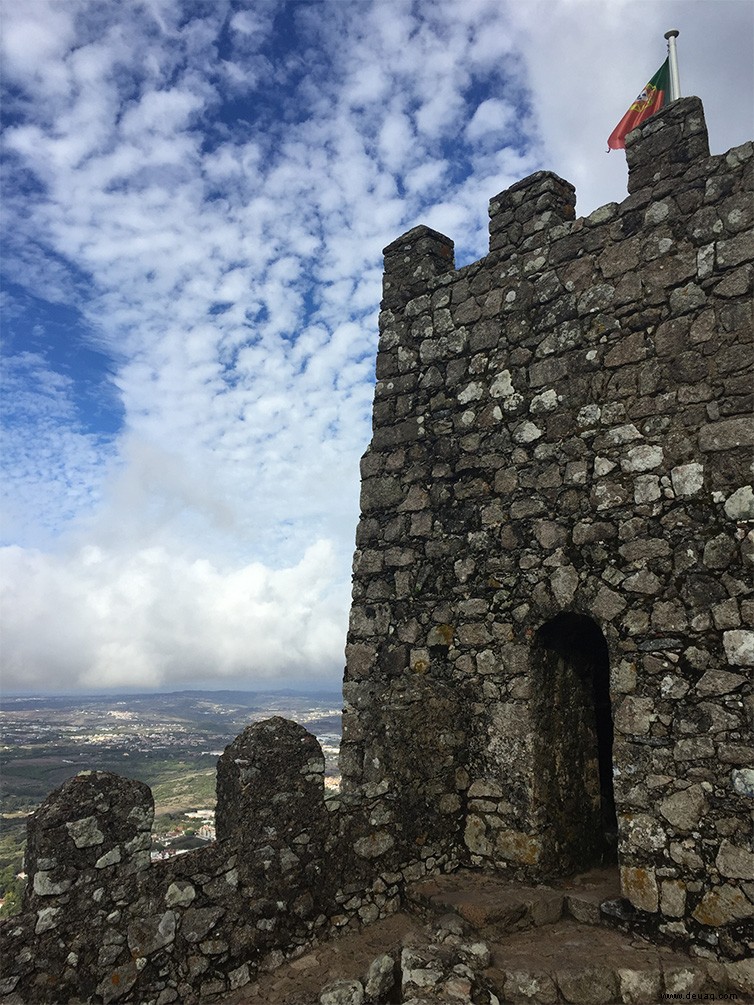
(342, 992)
(639, 987)
(643, 833)
(740, 504)
(374, 845)
(723, 905)
(585, 911)
(119, 982)
(727, 434)
(672, 898)
(634, 715)
(608, 604)
(513, 846)
(639, 885)
(529, 988)
(739, 647)
(592, 986)
(679, 980)
(684, 809)
(476, 837)
(642, 582)
(564, 582)
(735, 862)
(740, 975)
(742, 780)
(630, 349)
(719, 552)
(180, 894)
(718, 682)
(693, 748)
(150, 934)
(196, 922)
(687, 479)
(380, 978)
(647, 489)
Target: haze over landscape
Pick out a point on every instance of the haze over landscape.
(196, 200)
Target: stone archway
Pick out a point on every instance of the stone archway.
(572, 744)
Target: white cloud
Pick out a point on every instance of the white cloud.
(45, 30)
(96, 619)
(491, 119)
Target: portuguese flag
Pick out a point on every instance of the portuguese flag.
(651, 100)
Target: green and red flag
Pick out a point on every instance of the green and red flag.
(651, 100)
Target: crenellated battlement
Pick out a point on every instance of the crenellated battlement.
(107, 925)
(541, 209)
(533, 205)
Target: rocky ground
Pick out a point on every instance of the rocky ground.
(473, 938)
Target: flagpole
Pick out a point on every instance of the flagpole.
(675, 80)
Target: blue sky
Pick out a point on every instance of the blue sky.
(196, 196)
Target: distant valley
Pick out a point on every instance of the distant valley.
(171, 741)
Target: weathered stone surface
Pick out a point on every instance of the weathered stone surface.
(180, 894)
(719, 551)
(642, 458)
(640, 886)
(684, 809)
(343, 993)
(713, 682)
(197, 922)
(741, 975)
(673, 898)
(739, 647)
(380, 978)
(644, 832)
(378, 494)
(147, 936)
(272, 772)
(687, 479)
(634, 715)
(85, 832)
(740, 504)
(683, 980)
(374, 845)
(727, 434)
(735, 862)
(639, 987)
(525, 988)
(743, 781)
(722, 905)
(43, 886)
(591, 987)
(476, 838)
(119, 982)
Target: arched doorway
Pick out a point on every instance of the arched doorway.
(573, 743)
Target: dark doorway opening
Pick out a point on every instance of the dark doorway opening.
(574, 742)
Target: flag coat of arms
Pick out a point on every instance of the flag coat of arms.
(651, 100)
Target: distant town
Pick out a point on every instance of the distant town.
(171, 741)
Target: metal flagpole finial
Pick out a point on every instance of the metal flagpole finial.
(675, 79)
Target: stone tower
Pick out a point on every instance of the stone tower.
(551, 647)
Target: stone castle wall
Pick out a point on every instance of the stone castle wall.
(101, 923)
(550, 647)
